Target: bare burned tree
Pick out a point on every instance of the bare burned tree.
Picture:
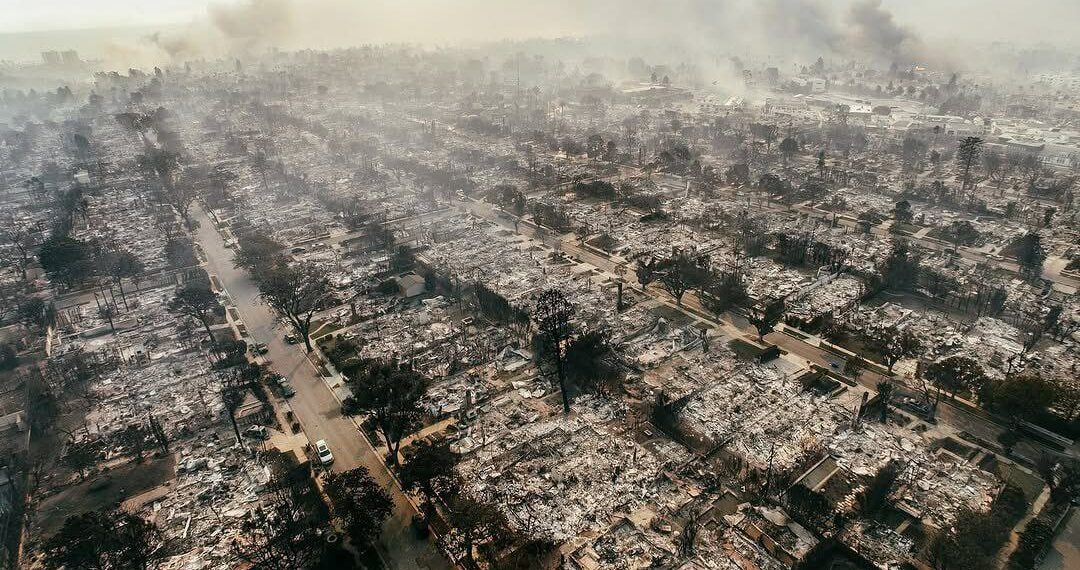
(17, 248)
(120, 265)
(234, 389)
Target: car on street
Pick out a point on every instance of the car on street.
(420, 526)
(913, 405)
(260, 348)
(291, 339)
(284, 386)
(323, 451)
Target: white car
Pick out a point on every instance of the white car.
(323, 451)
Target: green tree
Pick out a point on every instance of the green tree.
(429, 467)
(967, 157)
(220, 179)
(912, 151)
(403, 258)
(900, 271)
(133, 438)
(682, 272)
(552, 315)
(296, 293)
(476, 522)
(257, 250)
(280, 534)
(590, 362)
(722, 291)
(646, 272)
(894, 344)
(198, 302)
(1030, 254)
(953, 375)
(80, 458)
(854, 366)
(9, 357)
(360, 502)
(67, 260)
(180, 252)
(1008, 439)
(120, 265)
(1032, 543)
(34, 312)
(1022, 397)
(391, 394)
(962, 232)
(789, 147)
(885, 391)
(508, 197)
(902, 213)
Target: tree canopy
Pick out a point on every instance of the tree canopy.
(391, 394)
(198, 302)
(296, 293)
(429, 466)
(67, 260)
(257, 250)
(552, 314)
(103, 540)
(360, 502)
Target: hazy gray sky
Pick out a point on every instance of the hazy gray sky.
(1010, 20)
(39, 15)
(905, 30)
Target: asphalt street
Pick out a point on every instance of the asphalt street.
(315, 406)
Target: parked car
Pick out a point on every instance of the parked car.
(420, 526)
(286, 388)
(913, 405)
(292, 339)
(260, 348)
(323, 451)
(257, 432)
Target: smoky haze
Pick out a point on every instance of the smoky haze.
(938, 34)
